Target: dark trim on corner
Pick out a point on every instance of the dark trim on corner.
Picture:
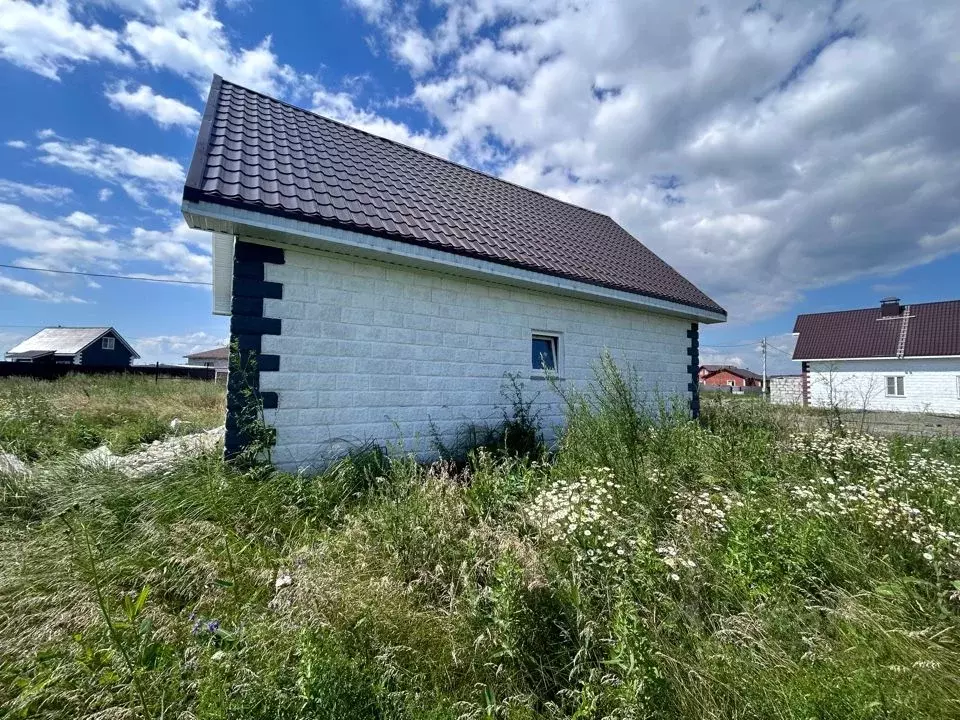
(247, 328)
(805, 382)
(693, 334)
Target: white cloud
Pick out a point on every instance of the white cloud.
(415, 50)
(183, 36)
(83, 221)
(22, 288)
(61, 243)
(184, 253)
(165, 111)
(761, 153)
(372, 10)
(104, 194)
(340, 106)
(173, 348)
(190, 40)
(47, 193)
(82, 242)
(142, 177)
(16, 144)
(46, 39)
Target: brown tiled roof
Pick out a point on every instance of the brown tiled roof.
(221, 353)
(260, 154)
(740, 372)
(933, 329)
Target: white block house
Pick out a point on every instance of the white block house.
(385, 294)
(900, 358)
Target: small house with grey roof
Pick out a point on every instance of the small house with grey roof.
(381, 293)
(891, 357)
(98, 346)
(218, 358)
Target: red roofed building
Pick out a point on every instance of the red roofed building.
(893, 357)
(728, 376)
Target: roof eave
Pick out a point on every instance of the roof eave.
(202, 214)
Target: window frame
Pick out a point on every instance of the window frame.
(108, 343)
(555, 339)
(898, 385)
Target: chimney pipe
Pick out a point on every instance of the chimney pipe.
(890, 307)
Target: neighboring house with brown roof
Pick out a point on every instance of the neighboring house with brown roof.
(384, 293)
(218, 358)
(99, 346)
(893, 357)
(728, 376)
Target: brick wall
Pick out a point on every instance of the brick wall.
(929, 385)
(374, 351)
(725, 378)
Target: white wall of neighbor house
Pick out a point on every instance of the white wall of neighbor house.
(217, 363)
(371, 350)
(929, 385)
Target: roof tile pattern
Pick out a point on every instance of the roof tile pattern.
(933, 329)
(261, 154)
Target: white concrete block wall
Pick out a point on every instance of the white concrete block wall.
(377, 351)
(930, 385)
(786, 390)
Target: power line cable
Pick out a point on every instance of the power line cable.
(106, 275)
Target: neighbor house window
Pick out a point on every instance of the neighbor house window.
(958, 386)
(544, 350)
(895, 385)
(107, 343)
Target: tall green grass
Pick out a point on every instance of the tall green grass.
(42, 419)
(732, 585)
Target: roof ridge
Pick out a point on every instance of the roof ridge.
(409, 147)
(877, 307)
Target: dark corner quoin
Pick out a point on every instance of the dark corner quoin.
(247, 328)
(693, 334)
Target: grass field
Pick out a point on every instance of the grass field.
(40, 420)
(733, 568)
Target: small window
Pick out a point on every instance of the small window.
(544, 352)
(958, 387)
(895, 385)
(107, 343)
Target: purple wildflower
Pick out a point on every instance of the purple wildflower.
(213, 625)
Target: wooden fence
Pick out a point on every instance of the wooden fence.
(45, 371)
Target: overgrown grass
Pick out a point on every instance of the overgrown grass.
(654, 567)
(42, 419)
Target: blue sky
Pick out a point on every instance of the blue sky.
(786, 157)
